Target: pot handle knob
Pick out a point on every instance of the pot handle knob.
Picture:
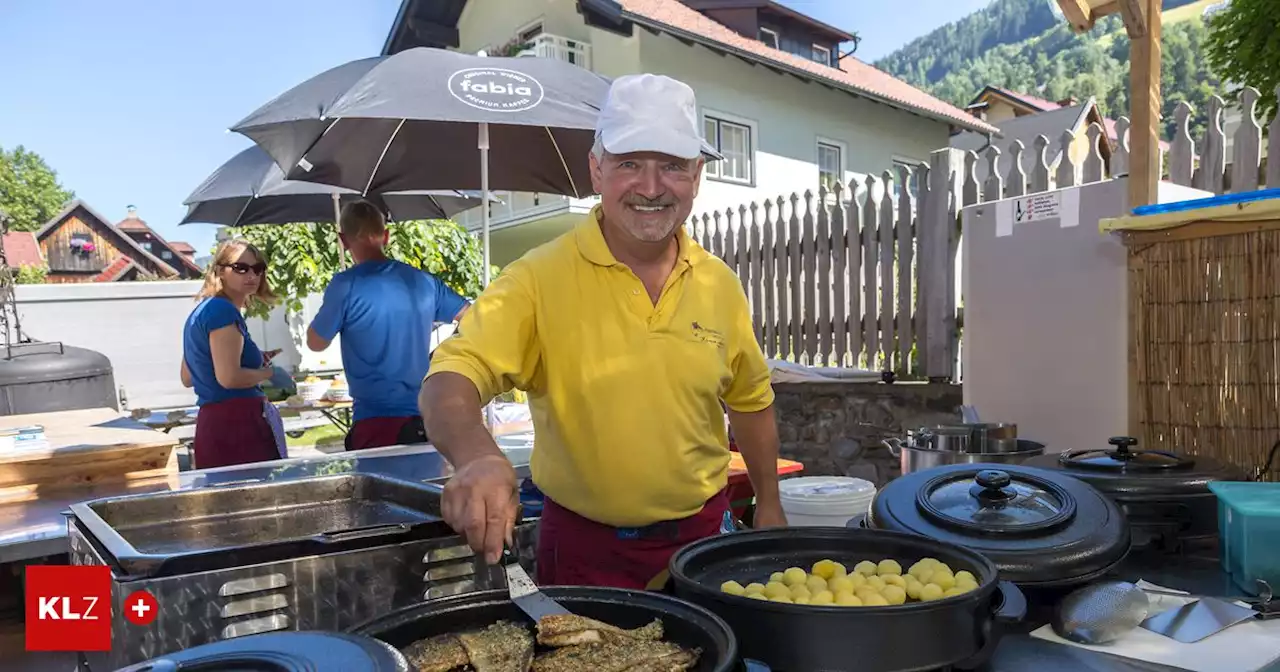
(993, 479)
(1122, 444)
(894, 445)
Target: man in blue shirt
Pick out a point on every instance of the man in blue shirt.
(385, 311)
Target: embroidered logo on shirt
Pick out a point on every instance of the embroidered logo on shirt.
(706, 335)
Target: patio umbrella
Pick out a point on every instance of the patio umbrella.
(428, 118)
(251, 189)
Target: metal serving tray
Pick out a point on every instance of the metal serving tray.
(236, 524)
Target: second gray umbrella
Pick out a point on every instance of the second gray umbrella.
(251, 189)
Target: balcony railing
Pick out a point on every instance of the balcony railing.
(520, 207)
(562, 48)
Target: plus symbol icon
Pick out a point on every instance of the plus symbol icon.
(140, 608)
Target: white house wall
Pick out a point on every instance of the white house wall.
(790, 116)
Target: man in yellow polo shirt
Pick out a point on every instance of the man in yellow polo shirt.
(628, 337)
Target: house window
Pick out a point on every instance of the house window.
(769, 37)
(821, 54)
(733, 140)
(914, 167)
(830, 164)
(166, 255)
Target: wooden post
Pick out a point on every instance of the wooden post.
(1144, 97)
(937, 263)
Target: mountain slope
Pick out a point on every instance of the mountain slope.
(1022, 45)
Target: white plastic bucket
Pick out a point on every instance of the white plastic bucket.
(825, 501)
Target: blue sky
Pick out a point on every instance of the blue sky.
(128, 100)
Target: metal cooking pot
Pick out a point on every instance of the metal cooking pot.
(914, 457)
(959, 632)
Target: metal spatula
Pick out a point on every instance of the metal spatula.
(524, 592)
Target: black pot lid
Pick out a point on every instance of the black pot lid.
(1037, 526)
(310, 651)
(1126, 470)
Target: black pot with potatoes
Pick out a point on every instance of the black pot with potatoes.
(900, 602)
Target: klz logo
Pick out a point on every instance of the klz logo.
(496, 89)
(68, 608)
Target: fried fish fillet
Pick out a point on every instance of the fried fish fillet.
(629, 656)
(436, 654)
(501, 647)
(570, 630)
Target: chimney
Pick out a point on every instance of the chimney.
(133, 212)
(1067, 102)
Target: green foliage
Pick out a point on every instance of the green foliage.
(1244, 46)
(1020, 45)
(29, 189)
(31, 274)
(302, 258)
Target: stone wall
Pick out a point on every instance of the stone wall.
(822, 424)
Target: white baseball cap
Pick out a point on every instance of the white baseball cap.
(652, 113)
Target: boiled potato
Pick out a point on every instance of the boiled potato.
(913, 587)
(943, 579)
(894, 594)
(875, 600)
(888, 567)
(930, 592)
(841, 584)
(866, 593)
(847, 600)
(870, 583)
(774, 589)
(894, 580)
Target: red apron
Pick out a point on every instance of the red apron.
(380, 432)
(233, 431)
(575, 551)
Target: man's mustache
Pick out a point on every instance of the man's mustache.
(660, 202)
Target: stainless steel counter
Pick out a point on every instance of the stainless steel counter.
(37, 528)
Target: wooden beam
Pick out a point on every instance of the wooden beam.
(1134, 22)
(1107, 9)
(1078, 14)
(1144, 101)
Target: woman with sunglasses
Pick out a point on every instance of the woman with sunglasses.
(236, 423)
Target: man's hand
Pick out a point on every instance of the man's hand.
(480, 502)
(768, 515)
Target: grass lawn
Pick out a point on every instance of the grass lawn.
(328, 435)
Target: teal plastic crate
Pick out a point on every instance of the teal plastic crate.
(1249, 528)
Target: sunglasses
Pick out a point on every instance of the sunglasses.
(240, 269)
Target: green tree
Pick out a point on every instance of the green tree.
(29, 189)
(31, 274)
(302, 258)
(1242, 46)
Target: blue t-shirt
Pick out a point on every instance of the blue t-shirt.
(210, 315)
(385, 311)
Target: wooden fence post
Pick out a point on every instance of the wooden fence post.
(937, 273)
